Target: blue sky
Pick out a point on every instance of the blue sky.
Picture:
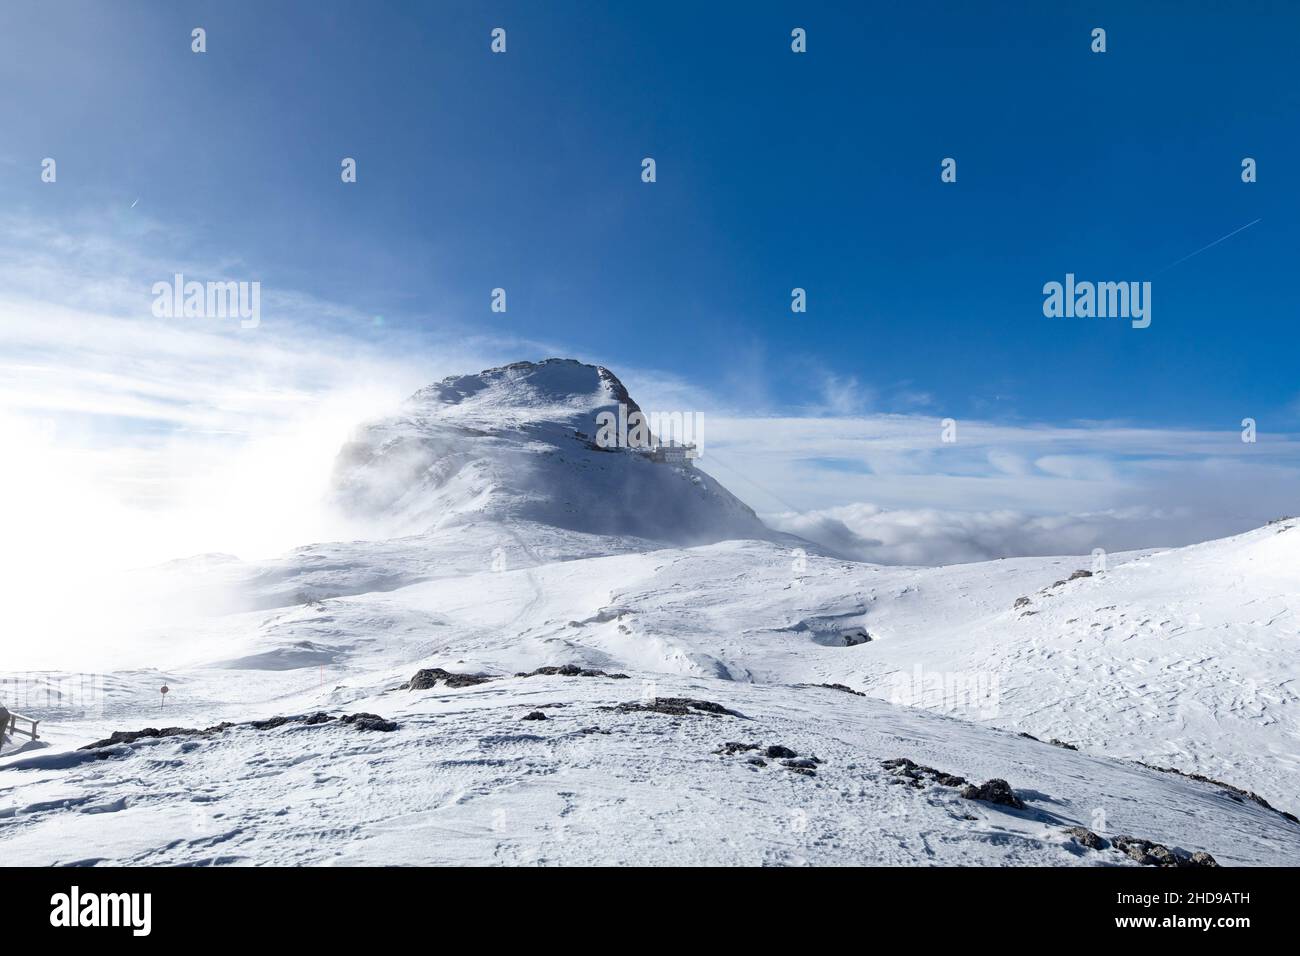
(775, 170)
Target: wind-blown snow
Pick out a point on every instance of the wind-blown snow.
(519, 442)
(533, 549)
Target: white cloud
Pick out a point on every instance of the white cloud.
(844, 396)
(1008, 463)
(1081, 467)
(131, 440)
(150, 438)
(885, 488)
(926, 536)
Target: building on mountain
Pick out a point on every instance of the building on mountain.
(671, 453)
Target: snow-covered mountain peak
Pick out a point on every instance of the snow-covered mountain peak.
(555, 388)
(519, 443)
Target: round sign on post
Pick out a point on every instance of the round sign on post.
(164, 690)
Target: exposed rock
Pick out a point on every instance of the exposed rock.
(993, 791)
(570, 670)
(271, 723)
(428, 677)
(789, 759)
(915, 772)
(1085, 837)
(1157, 854)
(1074, 576)
(839, 687)
(368, 722)
(148, 733)
(534, 715)
(360, 721)
(1020, 602)
(675, 707)
(1054, 742)
(733, 747)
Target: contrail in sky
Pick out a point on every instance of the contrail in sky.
(1211, 245)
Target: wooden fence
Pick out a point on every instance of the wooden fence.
(13, 729)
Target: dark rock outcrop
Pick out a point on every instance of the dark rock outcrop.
(428, 677)
(368, 722)
(320, 717)
(993, 791)
(801, 765)
(1157, 854)
(734, 747)
(675, 707)
(1054, 742)
(918, 774)
(1085, 837)
(149, 733)
(357, 721)
(570, 670)
(839, 687)
(788, 758)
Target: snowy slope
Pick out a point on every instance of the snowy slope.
(464, 779)
(1184, 658)
(527, 548)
